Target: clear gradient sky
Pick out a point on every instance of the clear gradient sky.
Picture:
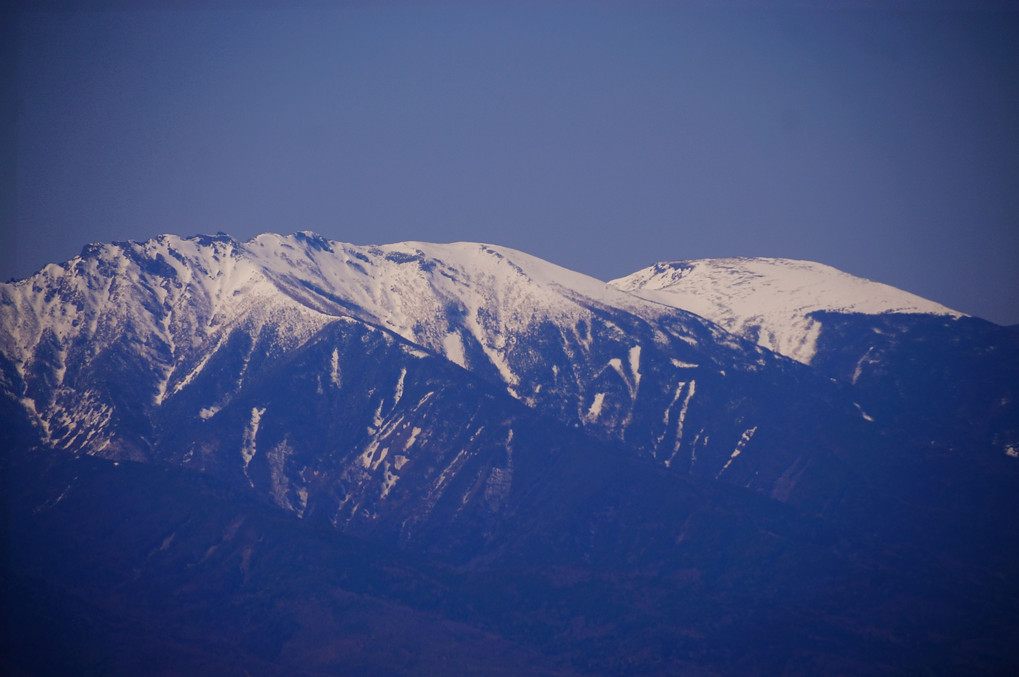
(875, 137)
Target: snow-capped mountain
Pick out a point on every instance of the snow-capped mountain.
(169, 314)
(555, 438)
(908, 359)
(410, 362)
(771, 301)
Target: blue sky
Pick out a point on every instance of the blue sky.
(601, 136)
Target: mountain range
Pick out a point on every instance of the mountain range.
(296, 456)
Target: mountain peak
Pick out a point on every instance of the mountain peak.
(770, 300)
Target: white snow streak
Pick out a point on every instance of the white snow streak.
(635, 367)
(198, 368)
(861, 363)
(334, 368)
(411, 440)
(617, 365)
(864, 414)
(682, 417)
(399, 387)
(248, 441)
(740, 446)
(595, 411)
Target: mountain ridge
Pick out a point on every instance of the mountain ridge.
(643, 373)
(611, 482)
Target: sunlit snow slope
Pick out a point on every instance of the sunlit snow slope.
(315, 371)
(770, 300)
(170, 308)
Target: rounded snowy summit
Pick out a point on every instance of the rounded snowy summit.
(770, 300)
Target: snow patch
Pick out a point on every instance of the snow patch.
(866, 417)
(453, 348)
(413, 352)
(861, 363)
(334, 368)
(595, 411)
(635, 366)
(617, 366)
(389, 480)
(248, 440)
(399, 387)
(740, 446)
(682, 418)
(197, 370)
(208, 412)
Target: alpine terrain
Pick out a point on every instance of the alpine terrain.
(294, 456)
